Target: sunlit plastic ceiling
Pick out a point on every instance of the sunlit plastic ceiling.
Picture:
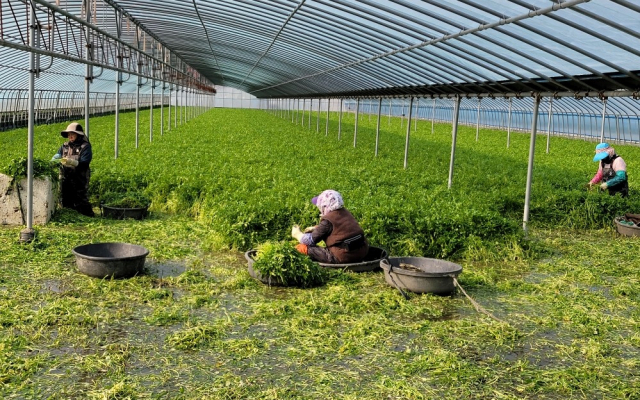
(289, 48)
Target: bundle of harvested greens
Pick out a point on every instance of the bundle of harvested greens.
(281, 261)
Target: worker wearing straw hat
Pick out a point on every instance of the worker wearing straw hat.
(75, 156)
(612, 171)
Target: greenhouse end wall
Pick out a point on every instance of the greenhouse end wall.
(227, 97)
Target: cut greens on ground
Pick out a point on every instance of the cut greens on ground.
(231, 180)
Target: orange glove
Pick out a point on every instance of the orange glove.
(302, 248)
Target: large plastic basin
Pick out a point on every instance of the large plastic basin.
(433, 275)
(110, 260)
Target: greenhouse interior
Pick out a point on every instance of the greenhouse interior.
(163, 158)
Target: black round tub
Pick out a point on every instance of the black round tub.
(110, 260)
(420, 274)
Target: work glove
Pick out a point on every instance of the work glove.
(56, 157)
(603, 186)
(69, 163)
(309, 229)
(296, 232)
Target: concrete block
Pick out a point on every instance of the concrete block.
(45, 200)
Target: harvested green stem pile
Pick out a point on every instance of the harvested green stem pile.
(281, 261)
(570, 298)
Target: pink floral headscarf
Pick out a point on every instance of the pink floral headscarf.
(328, 201)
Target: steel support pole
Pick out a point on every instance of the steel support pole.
(509, 123)
(355, 130)
(304, 104)
(378, 125)
(153, 85)
(72, 104)
(326, 128)
(478, 119)
(604, 117)
(38, 106)
(415, 117)
(532, 150)
(117, 114)
(454, 137)
(310, 112)
(16, 106)
(162, 108)
(55, 112)
(340, 119)
(406, 142)
(88, 68)
(550, 123)
(138, 106)
(318, 117)
(169, 106)
(118, 83)
(28, 234)
(433, 115)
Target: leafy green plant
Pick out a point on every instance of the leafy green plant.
(280, 260)
(17, 169)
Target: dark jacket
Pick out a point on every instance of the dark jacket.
(345, 238)
(79, 150)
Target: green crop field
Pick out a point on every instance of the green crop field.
(196, 326)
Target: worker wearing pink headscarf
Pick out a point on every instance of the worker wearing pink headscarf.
(344, 238)
(612, 171)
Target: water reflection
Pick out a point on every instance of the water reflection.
(163, 269)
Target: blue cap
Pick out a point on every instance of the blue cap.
(602, 146)
(600, 156)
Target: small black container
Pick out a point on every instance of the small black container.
(123, 213)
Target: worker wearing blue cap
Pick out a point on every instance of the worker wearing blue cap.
(612, 171)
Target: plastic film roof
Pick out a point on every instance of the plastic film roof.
(338, 47)
(310, 48)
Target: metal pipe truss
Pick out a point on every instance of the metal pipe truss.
(61, 34)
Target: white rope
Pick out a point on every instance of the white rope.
(477, 306)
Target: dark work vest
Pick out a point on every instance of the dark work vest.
(345, 227)
(74, 153)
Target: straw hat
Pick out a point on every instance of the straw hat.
(73, 127)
